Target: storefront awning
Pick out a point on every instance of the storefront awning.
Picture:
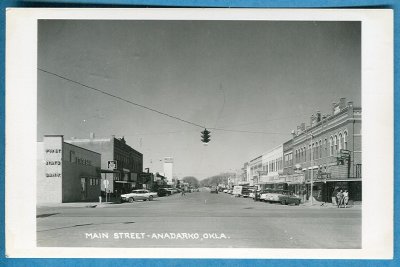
(294, 182)
(336, 180)
(109, 171)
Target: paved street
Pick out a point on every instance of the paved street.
(199, 219)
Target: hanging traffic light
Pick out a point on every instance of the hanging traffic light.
(205, 136)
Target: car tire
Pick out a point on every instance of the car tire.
(131, 200)
(150, 198)
(283, 202)
(297, 203)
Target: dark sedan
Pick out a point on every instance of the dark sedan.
(287, 198)
(162, 192)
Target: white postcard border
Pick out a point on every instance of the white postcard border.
(378, 132)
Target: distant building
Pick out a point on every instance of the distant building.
(255, 165)
(127, 174)
(65, 172)
(272, 167)
(244, 173)
(168, 166)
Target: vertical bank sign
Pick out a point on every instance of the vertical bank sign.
(53, 156)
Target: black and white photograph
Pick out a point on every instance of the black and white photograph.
(212, 133)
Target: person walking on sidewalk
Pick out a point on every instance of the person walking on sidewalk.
(183, 192)
(345, 198)
(339, 197)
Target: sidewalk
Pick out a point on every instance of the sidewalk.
(78, 204)
(326, 205)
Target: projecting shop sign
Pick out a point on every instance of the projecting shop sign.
(112, 164)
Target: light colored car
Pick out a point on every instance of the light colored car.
(225, 191)
(281, 196)
(264, 194)
(139, 194)
(272, 196)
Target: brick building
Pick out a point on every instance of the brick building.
(128, 173)
(328, 151)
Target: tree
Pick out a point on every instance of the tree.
(216, 179)
(192, 181)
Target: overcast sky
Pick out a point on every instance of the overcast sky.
(249, 76)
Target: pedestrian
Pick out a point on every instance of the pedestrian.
(339, 197)
(345, 198)
(304, 193)
(334, 199)
(183, 192)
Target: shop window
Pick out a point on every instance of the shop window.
(326, 148)
(301, 155)
(336, 145)
(340, 141)
(331, 145)
(316, 150)
(312, 151)
(320, 149)
(345, 140)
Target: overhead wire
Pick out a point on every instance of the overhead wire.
(120, 98)
(146, 107)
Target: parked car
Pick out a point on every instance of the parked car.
(226, 191)
(271, 195)
(174, 190)
(281, 196)
(164, 192)
(263, 194)
(247, 190)
(288, 198)
(139, 194)
(214, 189)
(252, 194)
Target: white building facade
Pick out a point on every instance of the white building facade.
(266, 169)
(272, 166)
(168, 169)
